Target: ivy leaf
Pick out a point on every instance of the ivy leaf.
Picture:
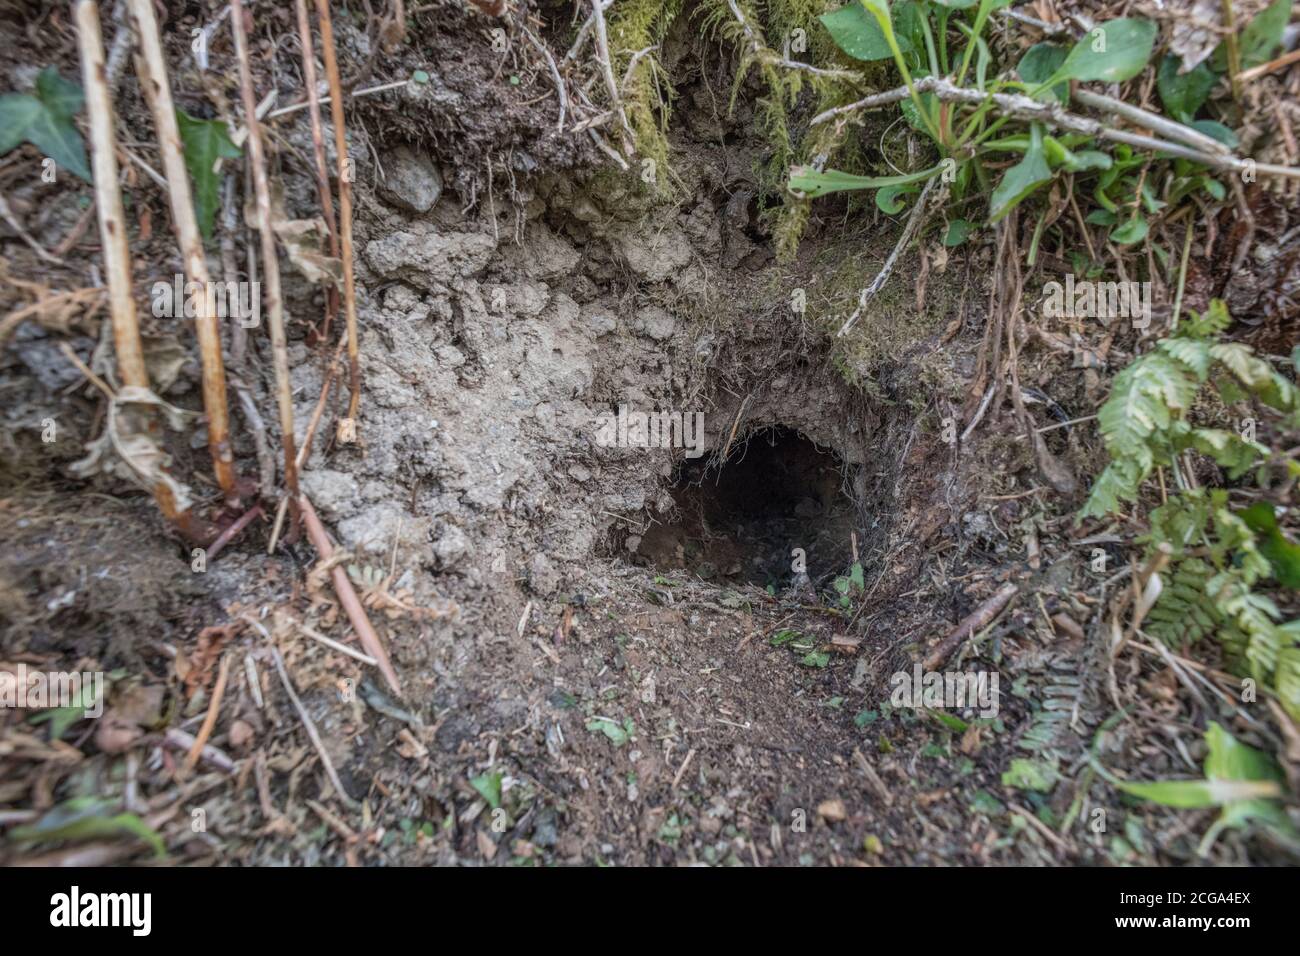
(1039, 64)
(45, 121)
(856, 32)
(1112, 52)
(1021, 179)
(204, 142)
(17, 113)
(1183, 93)
(61, 97)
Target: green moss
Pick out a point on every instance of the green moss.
(635, 25)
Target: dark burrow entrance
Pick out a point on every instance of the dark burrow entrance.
(739, 521)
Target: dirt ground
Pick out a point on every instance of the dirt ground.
(606, 655)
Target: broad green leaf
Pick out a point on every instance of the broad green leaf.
(488, 786)
(1216, 130)
(17, 113)
(61, 97)
(204, 142)
(815, 659)
(856, 32)
(1112, 52)
(45, 121)
(1132, 231)
(1039, 64)
(1021, 179)
(58, 139)
(1281, 553)
(617, 735)
(959, 231)
(813, 184)
(1183, 93)
(1259, 39)
(1025, 774)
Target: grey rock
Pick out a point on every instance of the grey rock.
(413, 182)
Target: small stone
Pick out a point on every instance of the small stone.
(413, 182)
(656, 323)
(450, 547)
(832, 811)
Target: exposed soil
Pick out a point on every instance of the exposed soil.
(611, 644)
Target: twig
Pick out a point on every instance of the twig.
(365, 91)
(108, 200)
(760, 51)
(677, 777)
(348, 596)
(270, 263)
(345, 201)
(974, 622)
(1157, 124)
(318, 147)
(214, 707)
(910, 230)
(607, 71)
(23, 234)
(560, 92)
(1272, 66)
(297, 704)
(152, 67)
(112, 229)
(1051, 114)
(332, 644)
(236, 526)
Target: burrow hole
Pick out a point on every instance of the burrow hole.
(739, 521)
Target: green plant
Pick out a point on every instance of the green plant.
(1220, 556)
(205, 142)
(981, 113)
(848, 585)
(44, 119)
(1245, 782)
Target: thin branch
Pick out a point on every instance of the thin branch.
(270, 262)
(1157, 124)
(157, 88)
(318, 147)
(560, 91)
(607, 71)
(345, 201)
(910, 230)
(108, 200)
(347, 595)
(307, 723)
(760, 52)
(1051, 114)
